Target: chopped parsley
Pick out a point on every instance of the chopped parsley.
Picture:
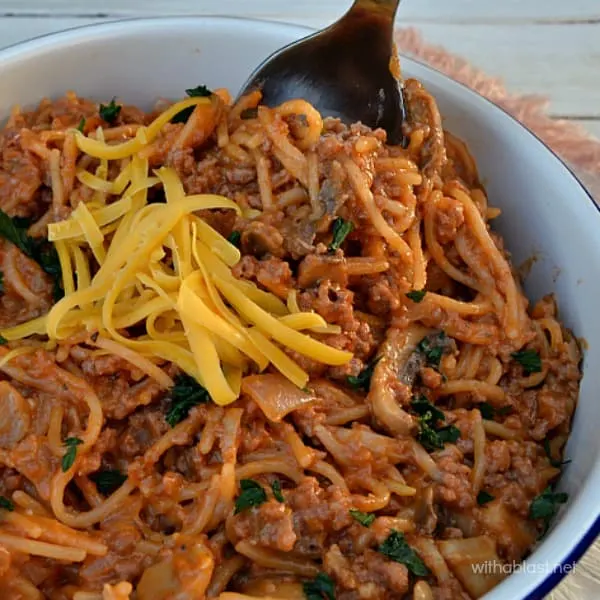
(38, 249)
(341, 230)
(200, 91)
(81, 125)
(488, 411)
(277, 494)
(416, 295)
(397, 549)
(108, 481)
(252, 494)
(423, 407)
(15, 231)
(320, 588)
(431, 436)
(6, 504)
(109, 112)
(185, 394)
(363, 380)
(69, 457)
(484, 497)
(432, 347)
(234, 238)
(557, 464)
(530, 361)
(48, 259)
(365, 519)
(545, 506)
(448, 435)
(3, 340)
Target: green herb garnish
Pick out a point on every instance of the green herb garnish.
(397, 549)
(320, 588)
(81, 125)
(69, 457)
(483, 498)
(15, 231)
(6, 504)
(363, 380)
(365, 519)
(276, 488)
(416, 295)
(108, 481)
(431, 435)
(200, 91)
(424, 408)
(252, 494)
(448, 435)
(3, 340)
(434, 439)
(545, 506)
(432, 347)
(38, 249)
(109, 112)
(185, 394)
(487, 411)
(530, 361)
(234, 238)
(48, 259)
(341, 230)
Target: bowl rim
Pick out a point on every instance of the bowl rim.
(553, 578)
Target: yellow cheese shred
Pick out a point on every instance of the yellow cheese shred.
(163, 269)
(91, 232)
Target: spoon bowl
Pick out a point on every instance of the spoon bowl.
(349, 70)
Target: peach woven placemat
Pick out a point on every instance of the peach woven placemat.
(581, 151)
(569, 140)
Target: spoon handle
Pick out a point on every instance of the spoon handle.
(387, 7)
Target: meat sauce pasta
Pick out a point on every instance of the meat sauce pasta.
(249, 352)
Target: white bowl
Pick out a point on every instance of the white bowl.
(546, 211)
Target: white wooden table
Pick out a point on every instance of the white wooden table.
(549, 47)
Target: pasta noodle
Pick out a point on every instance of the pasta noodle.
(249, 352)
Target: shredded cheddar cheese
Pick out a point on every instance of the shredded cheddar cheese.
(127, 262)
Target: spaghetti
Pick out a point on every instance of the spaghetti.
(288, 360)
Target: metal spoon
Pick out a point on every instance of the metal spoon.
(348, 70)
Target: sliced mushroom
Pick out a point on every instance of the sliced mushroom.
(184, 574)
(389, 391)
(15, 416)
(425, 514)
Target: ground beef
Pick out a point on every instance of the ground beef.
(449, 218)
(369, 576)
(269, 525)
(27, 290)
(315, 268)
(333, 303)
(455, 489)
(260, 239)
(316, 512)
(272, 274)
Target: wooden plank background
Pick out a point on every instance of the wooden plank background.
(536, 46)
